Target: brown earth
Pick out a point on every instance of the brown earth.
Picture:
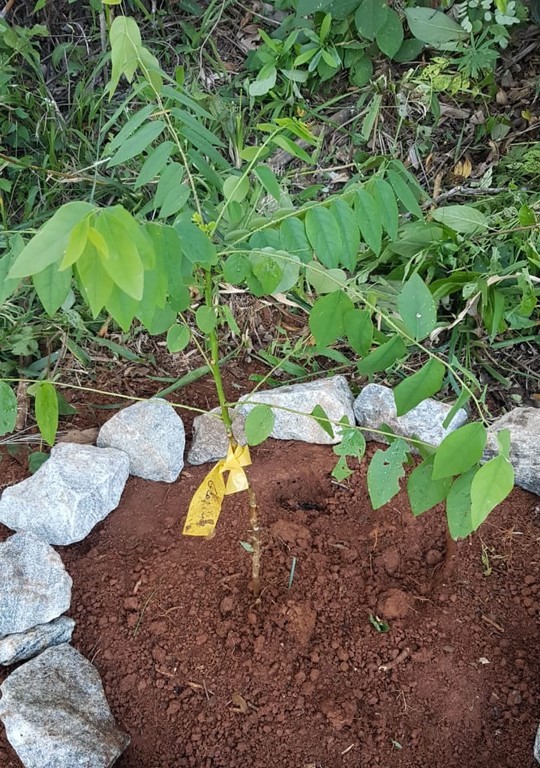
(201, 675)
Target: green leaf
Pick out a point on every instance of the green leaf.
(434, 27)
(322, 420)
(385, 471)
(324, 235)
(135, 121)
(7, 259)
(46, 406)
(417, 307)
(137, 143)
(76, 243)
(206, 319)
(353, 442)
(122, 308)
(359, 330)
(341, 471)
(52, 286)
(350, 234)
(458, 506)
(503, 440)
(409, 51)
(325, 280)
(424, 492)
(267, 271)
(36, 459)
(293, 149)
(404, 193)
(259, 424)
(264, 82)
(460, 450)
(121, 261)
(421, 385)
(370, 17)
(125, 40)
(326, 319)
(268, 179)
(94, 282)
(8, 409)
(48, 245)
(235, 188)
(387, 206)
(369, 220)
(294, 239)
(235, 268)
(65, 408)
(491, 485)
(461, 218)
(196, 246)
(390, 36)
(383, 357)
(154, 163)
(178, 337)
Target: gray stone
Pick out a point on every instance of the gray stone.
(34, 585)
(332, 394)
(56, 715)
(152, 434)
(210, 442)
(375, 406)
(524, 426)
(537, 745)
(70, 493)
(26, 645)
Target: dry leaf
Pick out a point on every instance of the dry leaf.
(80, 436)
(463, 168)
(241, 705)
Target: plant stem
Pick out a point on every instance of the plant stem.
(255, 542)
(213, 343)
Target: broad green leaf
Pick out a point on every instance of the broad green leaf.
(122, 308)
(76, 243)
(8, 409)
(94, 282)
(268, 179)
(125, 39)
(359, 330)
(421, 385)
(206, 319)
(370, 17)
(324, 236)
(154, 163)
(350, 234)
(267, 270)
(353, 442)
(156, 320)
(389, 37)
(235, 268)
(383, 358)
(458, 506)
(259, 424)
(404, 193)
(293, 149)
(264, 82)
(319, 414)
(491, 485)
(122, 262)
(461, 218)
(49, 244)
(7, 259)
(178, 337)
(369, 220)
(134, 122)
(138, 143)
(36, 459)
(325, 280)
(327, 317)
(417, 307)
(424, 492)
(503, 441)
(387, 205)
(340, 9)
(409, 51)
(385, 471)
(434, 27)
(341, 471)
(196, 246)
(294, 239)
(52, 286)
(46, 407)
(235, 188)
(174, 201)
(361, 71)
(460, 450)
(368, 123)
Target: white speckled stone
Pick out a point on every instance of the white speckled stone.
(34, 585)
(70, 493)
(375, 406)
(210, 442)
(26, 645)
(152, 434)
(524, 426)
(332, 394)
(56, 715)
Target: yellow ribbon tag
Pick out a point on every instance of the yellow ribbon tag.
(206, 503)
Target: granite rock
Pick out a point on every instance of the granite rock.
(25, 645)
(210, 441)
(56, 715)
(524, 426)
(375, 406)
(70, 493)
(34, 585)
(332, 395)
(152, 434)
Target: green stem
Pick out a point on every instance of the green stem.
(213, 344)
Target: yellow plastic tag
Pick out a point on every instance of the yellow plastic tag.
(206, 503)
